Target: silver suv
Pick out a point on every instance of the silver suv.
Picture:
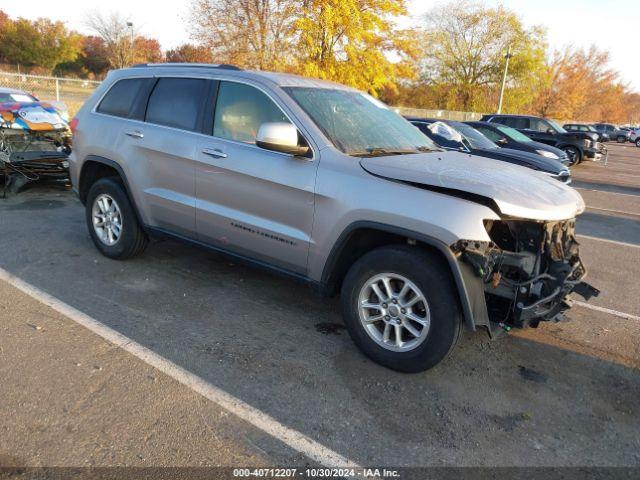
(327, 184)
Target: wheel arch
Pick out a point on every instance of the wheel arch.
(363, 236)
(94, 168)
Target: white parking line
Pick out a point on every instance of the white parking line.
(606, 191)
(294, 439)
(621, 212)
(615, 313)
(606, 240)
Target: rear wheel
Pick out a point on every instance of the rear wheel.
(401, 308)
(112, 222)
(622, 139)
(638, 142)
(573, 153)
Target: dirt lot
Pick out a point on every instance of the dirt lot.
(565, 394)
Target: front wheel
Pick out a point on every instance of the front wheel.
(574, 154)
(401, 308)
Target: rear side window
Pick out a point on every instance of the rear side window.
(241, 109)
(177, 103)
(124, 98)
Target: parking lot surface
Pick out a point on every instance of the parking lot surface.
(562, 394)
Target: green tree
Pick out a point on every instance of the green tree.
(39, 43)
(464, 51)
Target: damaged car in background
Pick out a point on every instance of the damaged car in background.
(35, 140)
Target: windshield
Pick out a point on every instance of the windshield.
(557, 127)
(358, 124)
(514, 134)
(474, 137)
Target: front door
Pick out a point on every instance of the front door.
(252, 201)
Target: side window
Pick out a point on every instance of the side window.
(539, 125)
(490, 134)
(513, 122)
(240, 110)
(177, 103)
(124, 96)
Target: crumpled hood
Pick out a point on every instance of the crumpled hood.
(31, 116)
(517, 191)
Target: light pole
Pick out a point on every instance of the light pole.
(130, 25)
(504, 78)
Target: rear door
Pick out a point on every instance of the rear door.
(252, 201)
(163, 151)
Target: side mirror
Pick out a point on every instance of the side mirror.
(502, 141)
(551, 131)
(280, 137)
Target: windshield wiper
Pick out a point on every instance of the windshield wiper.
(424, 148)
(381, 152)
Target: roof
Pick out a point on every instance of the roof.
(278, 79)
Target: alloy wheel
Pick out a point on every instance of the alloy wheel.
(107, 219)
(394, 312)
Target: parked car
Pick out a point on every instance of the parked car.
(579, 146)
(330, 186)
(612, 131)
(34, 140)
(634, 136)
(459, 136)
(508, 137)
(577, 127)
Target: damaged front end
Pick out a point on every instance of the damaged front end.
(527, 270)
(35, 143)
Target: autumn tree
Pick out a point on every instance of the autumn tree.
(352, 41)
(464, 47)
(189, 53)
(39, 43)
(147, 50)
(94, 55)
(118, 36)
(580, 85)
(246, 33)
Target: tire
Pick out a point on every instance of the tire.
(575, 156)
(431, 277)
(621, 139)
(638, 142)
(131, 240)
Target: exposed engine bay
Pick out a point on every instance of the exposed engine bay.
(35, 143)
(527, 270)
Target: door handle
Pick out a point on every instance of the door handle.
(214, 152)
(134, 133)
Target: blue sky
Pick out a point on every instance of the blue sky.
(610, 24)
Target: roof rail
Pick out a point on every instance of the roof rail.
(223, 66)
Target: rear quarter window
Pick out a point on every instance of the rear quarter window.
(125, 97)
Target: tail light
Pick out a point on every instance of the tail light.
(73, 124)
